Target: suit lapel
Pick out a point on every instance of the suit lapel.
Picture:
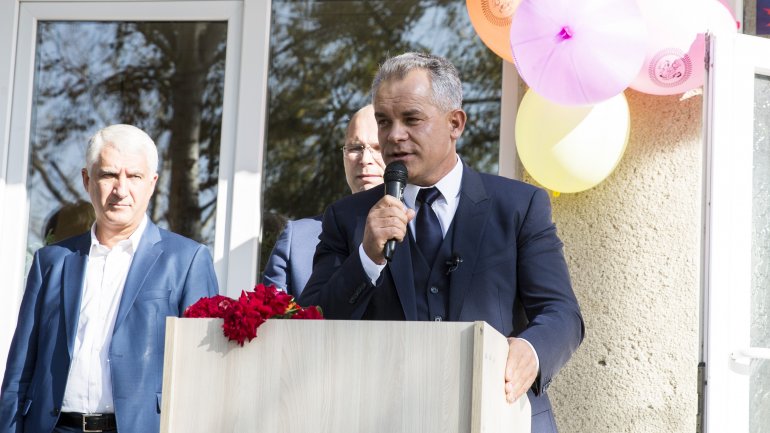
(470, 221)
(400, 268)
(145, 257)
(73, 279)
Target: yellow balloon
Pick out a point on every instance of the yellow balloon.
(571, 148)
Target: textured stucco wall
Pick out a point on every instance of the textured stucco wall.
(633, 247)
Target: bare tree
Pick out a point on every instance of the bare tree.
(166, 78)
(322, 63)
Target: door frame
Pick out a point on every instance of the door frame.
(727, 269)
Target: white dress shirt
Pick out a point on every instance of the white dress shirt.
(89, 384)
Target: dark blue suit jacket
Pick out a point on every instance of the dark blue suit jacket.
(168, 273)
(513, 275)
(291, 260)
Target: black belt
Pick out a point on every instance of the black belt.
(88, 422)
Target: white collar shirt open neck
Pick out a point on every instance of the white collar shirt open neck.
(89, 383)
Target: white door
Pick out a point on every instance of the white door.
(736, 305)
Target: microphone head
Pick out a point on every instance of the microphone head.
(396, 172)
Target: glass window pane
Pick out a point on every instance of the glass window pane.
(324, 55)
(164, 77)
(759, 385)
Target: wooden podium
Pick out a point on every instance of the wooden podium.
(333, 376)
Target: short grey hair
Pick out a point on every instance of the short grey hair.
(445, 80)
(122, 137)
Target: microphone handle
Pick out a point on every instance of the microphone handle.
(390, 247)
(396, 189)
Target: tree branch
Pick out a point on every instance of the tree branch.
(40, 169)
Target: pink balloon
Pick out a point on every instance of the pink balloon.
(675, 60)
(720, 17)
(578, 52)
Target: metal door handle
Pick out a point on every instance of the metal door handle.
(751, 353)
(740, 359)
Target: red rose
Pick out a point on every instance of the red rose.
(242, 317)
(268, 300)
(241, 323)
(312, 312)
(214, 307)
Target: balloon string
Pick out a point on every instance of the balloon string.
(565, 33)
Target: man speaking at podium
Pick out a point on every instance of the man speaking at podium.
(471, 246)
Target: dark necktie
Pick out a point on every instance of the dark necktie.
(427, 226)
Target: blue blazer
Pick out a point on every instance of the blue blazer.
(513, 275)
(291, 261)
(168, 273)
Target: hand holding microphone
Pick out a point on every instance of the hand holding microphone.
(387, 221)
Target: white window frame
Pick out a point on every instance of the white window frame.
(238, 219)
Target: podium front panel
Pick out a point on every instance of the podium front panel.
(318, 376)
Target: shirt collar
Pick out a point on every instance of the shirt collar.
(449, 186)
(133, 240)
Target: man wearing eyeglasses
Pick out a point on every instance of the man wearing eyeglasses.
(291, 260)
(361, 153)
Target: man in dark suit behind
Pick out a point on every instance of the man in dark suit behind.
(291, 260)
(497, 257)
(87, 354)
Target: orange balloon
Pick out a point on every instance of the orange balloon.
(492, 21)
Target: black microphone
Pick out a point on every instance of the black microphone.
(395, 180)
(453, 263)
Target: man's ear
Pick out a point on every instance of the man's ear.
(457, 120)
(84, 175)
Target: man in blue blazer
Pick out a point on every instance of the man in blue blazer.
(495, 256)
(291, 260)
(290, 263)
(87, 354)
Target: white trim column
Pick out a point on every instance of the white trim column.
(246, 214)
(9, 12)
(509, 164)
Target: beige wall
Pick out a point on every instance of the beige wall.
(633, 247)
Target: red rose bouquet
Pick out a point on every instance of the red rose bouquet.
(243, 316)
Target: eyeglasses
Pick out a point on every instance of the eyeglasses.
(356, 151)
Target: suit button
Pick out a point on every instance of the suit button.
(434, 289)
(56, 411)
(438, 318)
